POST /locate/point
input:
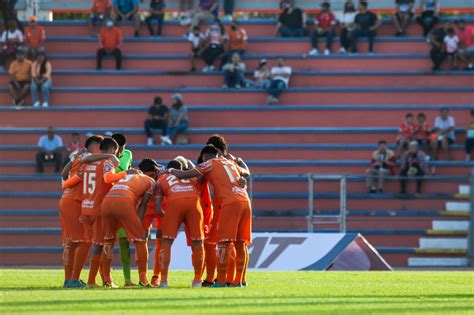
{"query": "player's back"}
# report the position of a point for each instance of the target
(133, 187)
(94, 187)
(173, 188)
(223, 174)
(74, 192)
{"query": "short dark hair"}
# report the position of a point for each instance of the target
(383, 142)
(199, 160)
(196, 28)
(421, 115)
(409, 115)
(148, 165)
(158, 100)
(175, 164)
(450, 30)
(209, 149)
(120, 138)
(326, 5)
(218, 141)
(472, 112)
(444, 109)
(93, 139)
(75, 133)
(108, 143)
(364, 4)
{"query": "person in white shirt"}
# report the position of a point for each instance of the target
(11, 40)
(451, 42)
(196, 38)
(280, 76)
(445, 130)
(347, 25)
(49, 149)
(262, 75)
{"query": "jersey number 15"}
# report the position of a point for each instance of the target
(89, 183)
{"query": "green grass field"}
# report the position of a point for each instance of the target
(38, 291)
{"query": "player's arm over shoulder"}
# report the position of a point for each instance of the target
(186, 174)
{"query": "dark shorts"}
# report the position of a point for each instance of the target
(195, 52)
(119, 18)
(452, 54)
(399, 15)
(98, 18)
(21, 83)
(450, 142)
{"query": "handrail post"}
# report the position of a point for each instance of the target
(470, 240)
(343, 205)
(310, 203)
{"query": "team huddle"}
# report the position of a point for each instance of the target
(100, 198)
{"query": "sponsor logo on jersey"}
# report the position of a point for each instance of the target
(180, 189)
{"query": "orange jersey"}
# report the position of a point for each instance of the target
(223, 174)
(74, 192)
(133, 187)
(407, 130)
(94, 187)
(35, 37)
(423, 131)
(172, 188)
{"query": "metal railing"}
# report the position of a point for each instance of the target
(311, 218)
(470, 240)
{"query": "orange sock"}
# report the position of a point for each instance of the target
(240, 249)
(80, 258)
(156, 265)
(231, 267)
(211, 261)
(142, 260)
(68, 259)
(198, 262)
(247, 258)
(223, 252)
(94, 264)
(165, 258)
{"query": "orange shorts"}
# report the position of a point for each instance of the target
(93, 229)
(148, 220)
(69, 213)
(121, 212)
(235, 222)
(187, 211)
(212, 236)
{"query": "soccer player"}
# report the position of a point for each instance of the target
(183, 206)
(97, 178)
(125, 157)
(119, 209)
(235, 218)
(70, 205)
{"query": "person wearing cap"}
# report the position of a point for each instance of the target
(262, 75)
(413, 164)
(35, 36)
(111, 40)
(324, 27)
(12, 39)
(466, 43)
(158, 119)
(179, 120)
(20, 78)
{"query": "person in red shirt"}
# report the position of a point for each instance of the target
(466, 43)
(324, 27)
(111, 39)
(422, 132)
(236, 38)
(100, 12)
(406, 133)
(35, 36)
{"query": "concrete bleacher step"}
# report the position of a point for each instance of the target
(175, 62)
(443, 243)
(214, 96)
(149, 79)
(256, 45)
(451, 225)
(437, 262)
(464, 189)
(452, 206)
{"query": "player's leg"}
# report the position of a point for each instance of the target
(74, 232)
(156, 261)
(244, 237)
(96, 254)
(124, 251)
(82, 251)
(210, 262)
(65, 240)
(193, 220)
(231, 266)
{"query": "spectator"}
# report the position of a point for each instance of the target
(451, 42)
(35, 36)
(466, 43)
(291, 22)
(237, 40)
(73, 148)
(445, 133)
(228, 10)
(12, 40)
(470, 137)
(280, 76)
(422, 132)
(429, 15)
(413, 164)
(49, 149)
(111, 44)
(158, 119)
(100, 12)
(382, 164)
(406, 133)
(196, 38)
(157, 13)
(365, 24)
(206, 10)
(324, 27)
(179, 121)
(403, 15)
(234, 72)
(128, 10)
(438, 53)
(20, 74)
(41, 79)
(347, 25)
(185, 6)
(7, 7)
(262, 75)
(213, 50)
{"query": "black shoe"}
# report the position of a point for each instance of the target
(207, 284)
(399, 33)
(372, 191)
(381, 190)
(136, 34)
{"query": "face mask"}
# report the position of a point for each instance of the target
(110, 24)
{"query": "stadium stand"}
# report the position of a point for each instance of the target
(330, 120)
